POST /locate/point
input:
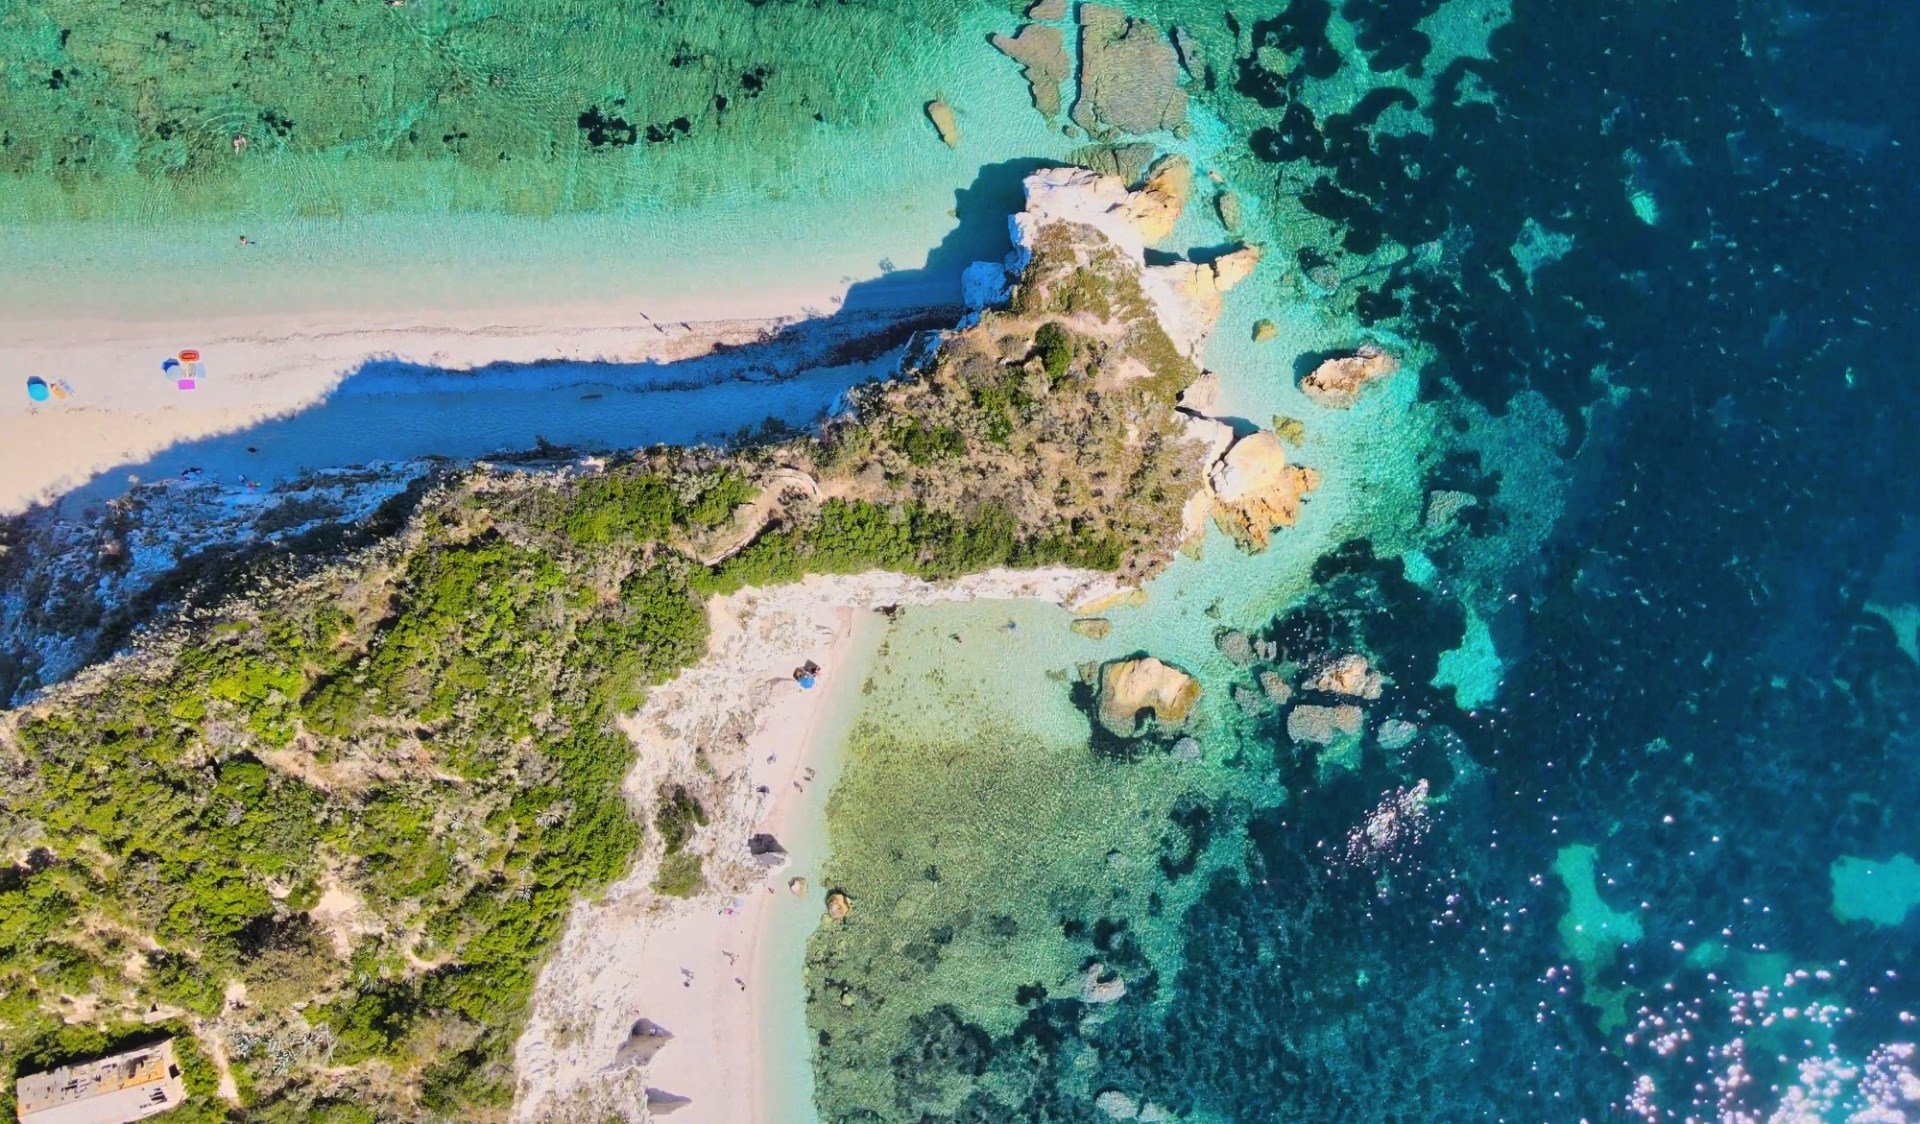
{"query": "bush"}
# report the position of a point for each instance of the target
(1055, 344)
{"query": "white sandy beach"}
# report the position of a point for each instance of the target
(626, 957)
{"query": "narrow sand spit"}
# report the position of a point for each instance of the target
(697, 967)
(124, 408)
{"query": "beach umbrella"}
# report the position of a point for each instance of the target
(37, 389)
(169, 365)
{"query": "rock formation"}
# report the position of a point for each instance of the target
(1278, 690)
(1337, 383)
(1397, 733)
(1255, 490)
(1042, 55)
(1264, 330)
(838, 905)
(1117, 1105)
(1323, 725)
(1128, 687)
(1156, 207)
(1048, 10)
(941, 114)
(1093, 628)
(1348, 675)
(1129, 76)
(1232, 214)
(1128, 161)
(1237, 646)
(1444, 506)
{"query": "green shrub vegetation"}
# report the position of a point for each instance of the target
(426, 726)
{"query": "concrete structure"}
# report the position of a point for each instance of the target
(112, 1090)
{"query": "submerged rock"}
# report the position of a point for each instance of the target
(1127, 161)
(1397, 733)
(1100, 985)
(1093, 628)
(1231, 213)
(1042, 55)
(1255, 490)
(1129, 75)
(1187, 749)
(1128, 687)
(1192, 58)
(1277, 689)
(1237, 646)
(1252, 703)
(1048, 10)
(1117, 1105)
(1264, 330)
(1348, 675)
(1444, 506)
(1337, 383)
(1323, 725)
(944, 122)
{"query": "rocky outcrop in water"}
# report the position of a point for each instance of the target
(944, 122)
(1129, 76)
(1042, 54)
(1130, 687)
(1323, 725)
(1156, 206)
(1255, 490)
(1337, 383)
(1348, 675)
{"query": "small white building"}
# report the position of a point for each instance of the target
(111, 1090)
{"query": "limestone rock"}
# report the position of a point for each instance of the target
(1323, 725)
(797, 887)
(767, 852)
(1129, 76)
(662, 1103)
(1397, 733)
(1337, 383)
(948, 126)
(1093, 628)
(1232, 214)
(646, 1039)
(1156, 207)
(1042, 55)
(1277, 689)
(1348, 675)
(1128, 687)
(1201, 395)
(1264, 330)
(1117, 1105)
(1098, 985)
(1255, 490)
(1048, 10)
(838, 905)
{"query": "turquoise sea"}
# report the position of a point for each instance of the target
(1630, 830)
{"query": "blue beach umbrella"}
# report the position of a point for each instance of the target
(169, 365)
(37, 389)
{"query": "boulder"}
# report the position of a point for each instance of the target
(1255, 490)
(944, 122)
(1042, 55)
(767, 852)
(1348, 675)
(1098, 985)
(1323, 725)
(1117, 1105)
(797, 887)
(1264, 330)
(1278, 690)
(1129, 76)
(1128, 687)
(1093, 628)
(662, 1103)
(839, 905)
(644, 1040)
(1156, 206)
(1337, 383)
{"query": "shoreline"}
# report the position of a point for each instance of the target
(624, 957)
